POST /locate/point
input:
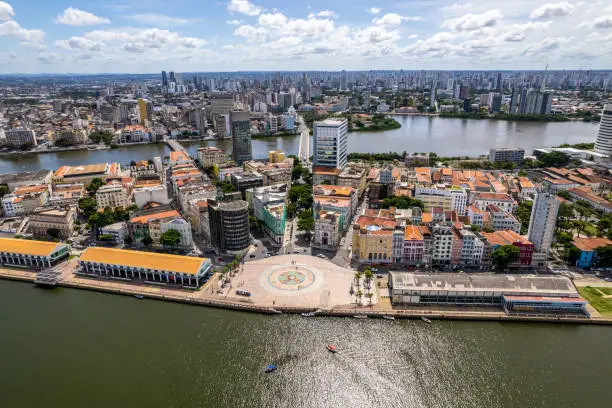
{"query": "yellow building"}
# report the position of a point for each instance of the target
(276, 156)
(373, 240)
(143, 109)
(34, 254)
(147, 266)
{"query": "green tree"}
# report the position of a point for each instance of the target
(564, 194)
(306, 222)
(523, 213)
(554, 159)
(3, 190)
(252, 222)
(88, 206)
(94, 186)
(604, 256)
(170, 238)
(401, 202)
(128, 240)
(147, 240)
(505, 255)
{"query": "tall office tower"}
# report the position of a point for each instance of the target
(543, 221)
(603, 144)
(330, 143)
(499, 84)
(343, 81)
(172, 77)
(241, 136)
(531, 105)
(514, 101)
(523, 102)
(496, 103)
(432, 95)
(143, 111)
(464, 92)
(164, 79)
(229, 225)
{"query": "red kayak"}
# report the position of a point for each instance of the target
(331, 348)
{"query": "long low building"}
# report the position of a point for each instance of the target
(31, 254)
(146, 266)
(516, 294)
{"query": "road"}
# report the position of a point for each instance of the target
(304, 152)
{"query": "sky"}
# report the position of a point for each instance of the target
(144, 36)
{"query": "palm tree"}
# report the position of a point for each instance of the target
(359, 295)
(368, 276)
(357, 277)
(369, 295)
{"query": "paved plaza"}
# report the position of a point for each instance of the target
(295, 281)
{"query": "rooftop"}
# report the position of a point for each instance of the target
(506, 284)
(28, 247)
(143, 219)
(412, 233)
(590, 244)
(145, 260)
(507, 237)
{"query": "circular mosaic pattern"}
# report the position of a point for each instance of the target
(290, 277)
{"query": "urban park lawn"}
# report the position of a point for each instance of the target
(597, 297)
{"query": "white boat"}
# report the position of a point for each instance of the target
(360, 317)
(426, 320)
(309, 314)
(388, 317)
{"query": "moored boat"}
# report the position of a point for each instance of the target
(388, 317)
(139, 296)
(270, 368)
(309, 314)
(360, 317)
(426, 320)
(331, 348)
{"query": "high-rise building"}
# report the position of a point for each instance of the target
(464, 92)
(496, 103)
(172, 77)
(514, 101)
(144, 110)
(241, 136)
(330, 143)
(603, 144)
(164, 79)
(543, 221)
(229, 225)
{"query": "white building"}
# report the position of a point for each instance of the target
(330, 143)
(327, 229)
(19, 137)
(117, 231)
(151, 194)
(472, 248)
(603, 144)
(503, 201)
(211, 156)
(113, 196)
(382, 107)
(183, 227)
(542, 222)
(442, 244)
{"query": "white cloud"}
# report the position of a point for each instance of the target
(517, 32)
(392, 19)
(243, 7)
(233, 22)
(327, 13)
(49, 58)
(13, 29)
(546, 46)
(6, 11)
(471, 22)
(549, 10)
(76, 17)
(375, 10)
(159, 20)
(79, 44)
(603, 22)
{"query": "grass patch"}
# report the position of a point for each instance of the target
(594, 297)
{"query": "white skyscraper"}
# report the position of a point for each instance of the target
(603, 144)
(330, 143)
(542, 222)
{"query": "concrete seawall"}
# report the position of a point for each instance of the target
(341, 311)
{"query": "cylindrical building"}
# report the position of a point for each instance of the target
(603, 144)
(229, 225)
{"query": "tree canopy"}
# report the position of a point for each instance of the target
(95, 184)
(505, 255)
(170, 238)
(401, 202)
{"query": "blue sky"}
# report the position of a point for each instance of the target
(42, 36)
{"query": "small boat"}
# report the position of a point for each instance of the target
(360, 317)
(388, 317)
(270, 368)
(331, 348)
(426, 320)
(309, 314)
(139, 296)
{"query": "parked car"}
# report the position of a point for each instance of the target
(241, 292)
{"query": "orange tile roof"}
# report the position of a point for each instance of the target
(365, 221)
(28, 247)
(40, 188)
(331, 171)
(412, 233)
(426, 218)
(590, 244)
(145, 260)
(178, 155)
(335, 201)
(493, 196)
(507, 237)
(143, 219)
(336, 190)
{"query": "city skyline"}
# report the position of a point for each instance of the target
(242, 35)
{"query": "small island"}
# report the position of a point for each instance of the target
(377, 122)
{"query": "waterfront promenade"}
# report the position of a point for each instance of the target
(279, 286)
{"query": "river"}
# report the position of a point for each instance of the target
(445, 136)
(71, 348)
